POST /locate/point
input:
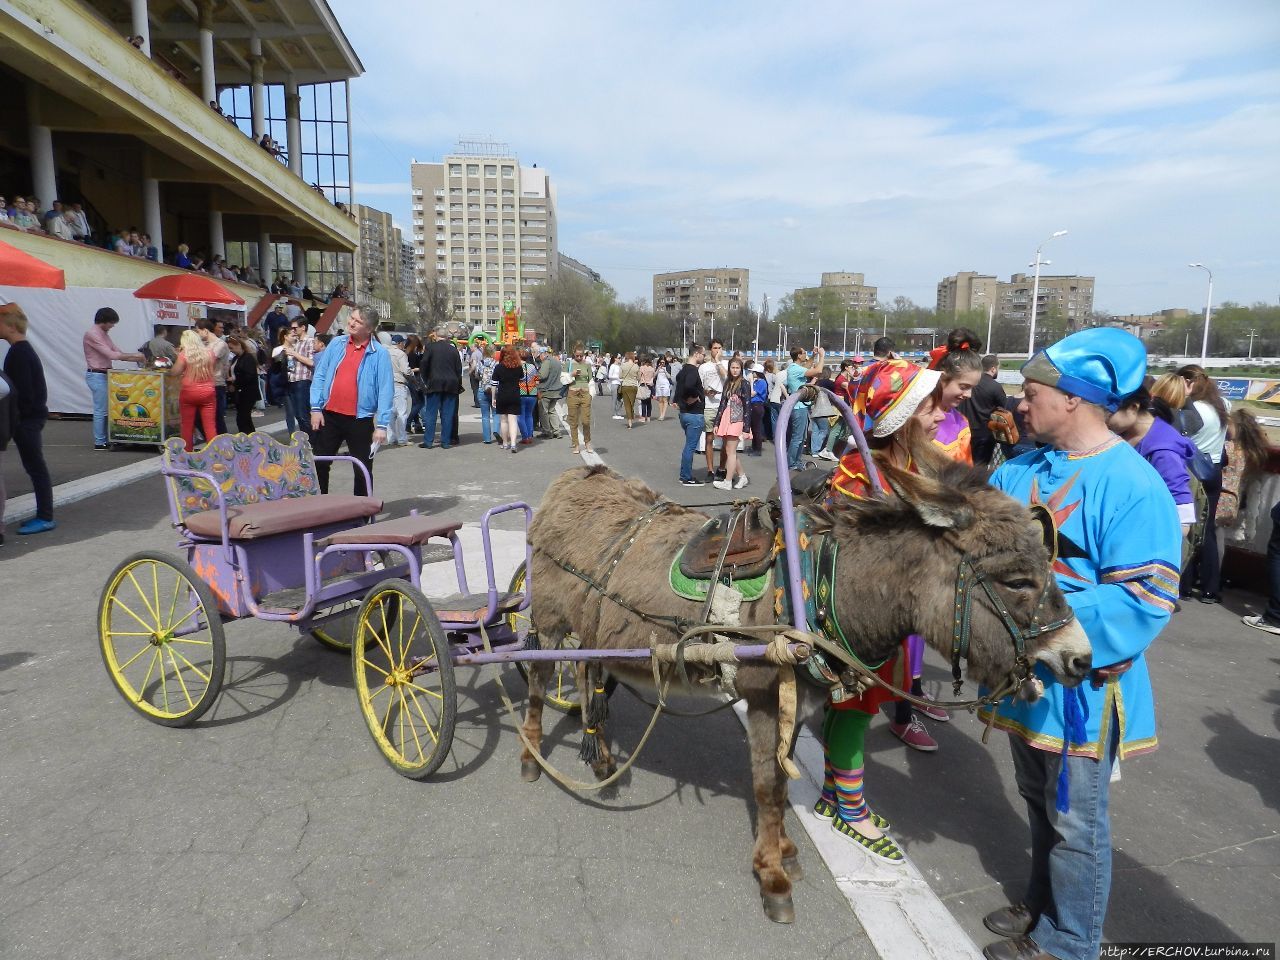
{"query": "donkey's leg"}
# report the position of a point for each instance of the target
(770, 787)
(538, 673)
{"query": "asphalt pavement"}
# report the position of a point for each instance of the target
(272, 828)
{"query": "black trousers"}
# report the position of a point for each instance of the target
(757, 426)
(357, 433)
(220, 410)
(28, 438)
(244, 411)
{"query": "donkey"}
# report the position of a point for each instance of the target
(897, 568)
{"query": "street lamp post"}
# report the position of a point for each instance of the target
(844, 347)
(1035, 293)
(1208, 307)
(1252, 333)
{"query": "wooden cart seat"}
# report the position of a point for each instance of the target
(251, 521)
(402, 531)
(471, 607)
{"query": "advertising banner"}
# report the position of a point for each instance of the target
(1264, 391)
(139, 408)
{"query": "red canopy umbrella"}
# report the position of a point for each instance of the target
(188, 288)
(20, 269)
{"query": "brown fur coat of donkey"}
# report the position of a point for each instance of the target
(896, 575)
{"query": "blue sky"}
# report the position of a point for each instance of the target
(904, 140)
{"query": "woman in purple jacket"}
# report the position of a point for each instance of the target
(1161, 445)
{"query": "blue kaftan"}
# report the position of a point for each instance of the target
(1118, 555)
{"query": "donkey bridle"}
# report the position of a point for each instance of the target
(967, 574)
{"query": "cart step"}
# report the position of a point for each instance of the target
(295, 598)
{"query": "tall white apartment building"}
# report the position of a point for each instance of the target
(485, 226)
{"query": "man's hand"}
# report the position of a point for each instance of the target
(317, 419)
(380, 435)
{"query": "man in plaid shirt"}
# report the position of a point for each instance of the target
(300, 348)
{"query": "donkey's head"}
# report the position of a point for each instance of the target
(905, 555)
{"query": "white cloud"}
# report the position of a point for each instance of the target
(905, 140)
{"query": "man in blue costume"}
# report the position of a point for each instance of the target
(1117, 552)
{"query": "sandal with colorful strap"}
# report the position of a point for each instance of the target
(825, 809)
(884, 848)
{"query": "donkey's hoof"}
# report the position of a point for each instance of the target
(778, 907)
(605, 771)
(794, 871)
(529, 770)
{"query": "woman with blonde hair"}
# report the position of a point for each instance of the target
(1170, 391)
(197, 396)
(629, 385)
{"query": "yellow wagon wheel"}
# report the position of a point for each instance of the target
(161, 638)
(336, 631)
(404, 678)
(562, 688)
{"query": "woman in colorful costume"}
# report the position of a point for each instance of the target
(895, 404)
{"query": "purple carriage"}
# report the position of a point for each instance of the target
(261, 541)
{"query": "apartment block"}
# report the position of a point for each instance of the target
(967, 291)
(1146, 325)
(851, 288)
(703, 294)
(1071, 296)
(580, 269)
(377, 262)
(484, 225)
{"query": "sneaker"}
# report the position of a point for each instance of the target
(914, 735)
(826, 455)
(102, 446)
(1263, 624)
(741, 482)
(36, 525)
(722, 484)
(721, 475)
(936, 714)
(692, 483)
(618, 416)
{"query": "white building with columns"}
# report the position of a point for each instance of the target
(119, 105)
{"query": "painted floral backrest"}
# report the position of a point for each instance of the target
(249, 468)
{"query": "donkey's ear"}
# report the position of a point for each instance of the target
(936, 505)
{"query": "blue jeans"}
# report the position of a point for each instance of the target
(298, 401)
(796, 431)
(98, 388)
(526, 416)
(444, 405)
(487, 416)
(820, 428)
(415, 410)
(1070, 877)
(693, 426)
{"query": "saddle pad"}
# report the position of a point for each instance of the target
(690, 589)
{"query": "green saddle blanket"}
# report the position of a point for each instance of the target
(690, 589)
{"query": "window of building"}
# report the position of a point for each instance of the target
(473, 169)
(455, 169)
(490, 170)
(508, 172)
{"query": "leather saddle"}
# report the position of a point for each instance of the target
(749, 553)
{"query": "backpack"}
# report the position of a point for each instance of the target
(8, 412)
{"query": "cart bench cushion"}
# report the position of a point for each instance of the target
(251, 521)
(471, 607)
(401, 531)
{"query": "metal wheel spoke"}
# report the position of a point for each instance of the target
(427, 723)
(430, 693)
(143, 597)
(182, 683)
(190, 613)
(198, 643)
(151, 666)
(125, 606)
(190, 666)
(124, 666)
(173, 602)
(404, 707)
(383, 688)
(385, 673)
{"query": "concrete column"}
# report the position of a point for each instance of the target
(300, 263)
(257, 106)
(44, 172)
(266, 264)
(208, 79)
(217, 243)
(141, 26)
(151, 212)
(293, 124)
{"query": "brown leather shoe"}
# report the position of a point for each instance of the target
(1024, 948)
(1012, 922)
